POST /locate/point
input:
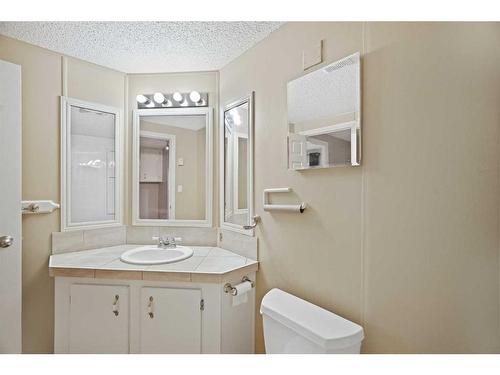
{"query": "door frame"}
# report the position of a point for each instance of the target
(171, 166)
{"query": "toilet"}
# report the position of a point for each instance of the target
(295, 326)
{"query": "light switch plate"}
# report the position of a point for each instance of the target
(312, 55)
(180, 162)
(179, 188)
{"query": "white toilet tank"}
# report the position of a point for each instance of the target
(292, 325)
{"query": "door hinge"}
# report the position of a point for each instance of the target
(202, 304)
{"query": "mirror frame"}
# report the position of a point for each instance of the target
(66, 104)
(137, 114)
(250, 155)
(353, 125)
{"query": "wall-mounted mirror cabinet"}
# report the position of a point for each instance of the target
(91, 165)
(172, 167)
(236, 164)
(324, 116)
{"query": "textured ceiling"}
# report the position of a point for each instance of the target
(145, 47)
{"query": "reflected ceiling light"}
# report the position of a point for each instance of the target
(184, 103)
(159, 98)
(150, 104)
(167, 103)
(142, 99)
(177, 97)
(237, 120)
(195, 96)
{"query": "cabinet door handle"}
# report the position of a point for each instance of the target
(115, 305)
(150, 308)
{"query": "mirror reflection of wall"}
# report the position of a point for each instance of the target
(92, 165)
(172, 167)
(236, 130)
(324, 116)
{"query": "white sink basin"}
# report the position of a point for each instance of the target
(149, 255)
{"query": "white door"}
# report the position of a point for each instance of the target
(170, 321)
(297, 151)
(99, 319)
(10, 208)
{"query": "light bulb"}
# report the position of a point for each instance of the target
(150, 104)
(158, 97)
(195, 96)
(167, 103)
(184, 103)
(141, 99)
(177, 96)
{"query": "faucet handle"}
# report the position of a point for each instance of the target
(167, 240)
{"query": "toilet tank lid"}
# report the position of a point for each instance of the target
(317, 324)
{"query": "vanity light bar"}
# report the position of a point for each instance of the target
(173, 100)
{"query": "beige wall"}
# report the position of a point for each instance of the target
(42, 80)
(170, 82)
(406, 244)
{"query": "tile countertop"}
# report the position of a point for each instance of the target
(208, 264)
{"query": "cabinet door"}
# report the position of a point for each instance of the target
(170, 321)
(151, 165)
(99, 319)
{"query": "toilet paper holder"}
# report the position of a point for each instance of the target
(228, 288)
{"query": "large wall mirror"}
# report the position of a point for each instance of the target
(172, 167)
(91, 165)
(324, 116)
(236, 165)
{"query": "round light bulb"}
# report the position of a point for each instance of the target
(195, 96)
(158, 97)
(141, 99)
(177, 97)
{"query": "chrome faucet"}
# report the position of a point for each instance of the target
(167, 242)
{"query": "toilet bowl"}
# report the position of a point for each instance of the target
(292, 325)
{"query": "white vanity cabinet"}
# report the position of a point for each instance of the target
(98, 318)
(95, 315)
(170, 320)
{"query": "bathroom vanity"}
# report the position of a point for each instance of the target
(199, 300)
(103, 305)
